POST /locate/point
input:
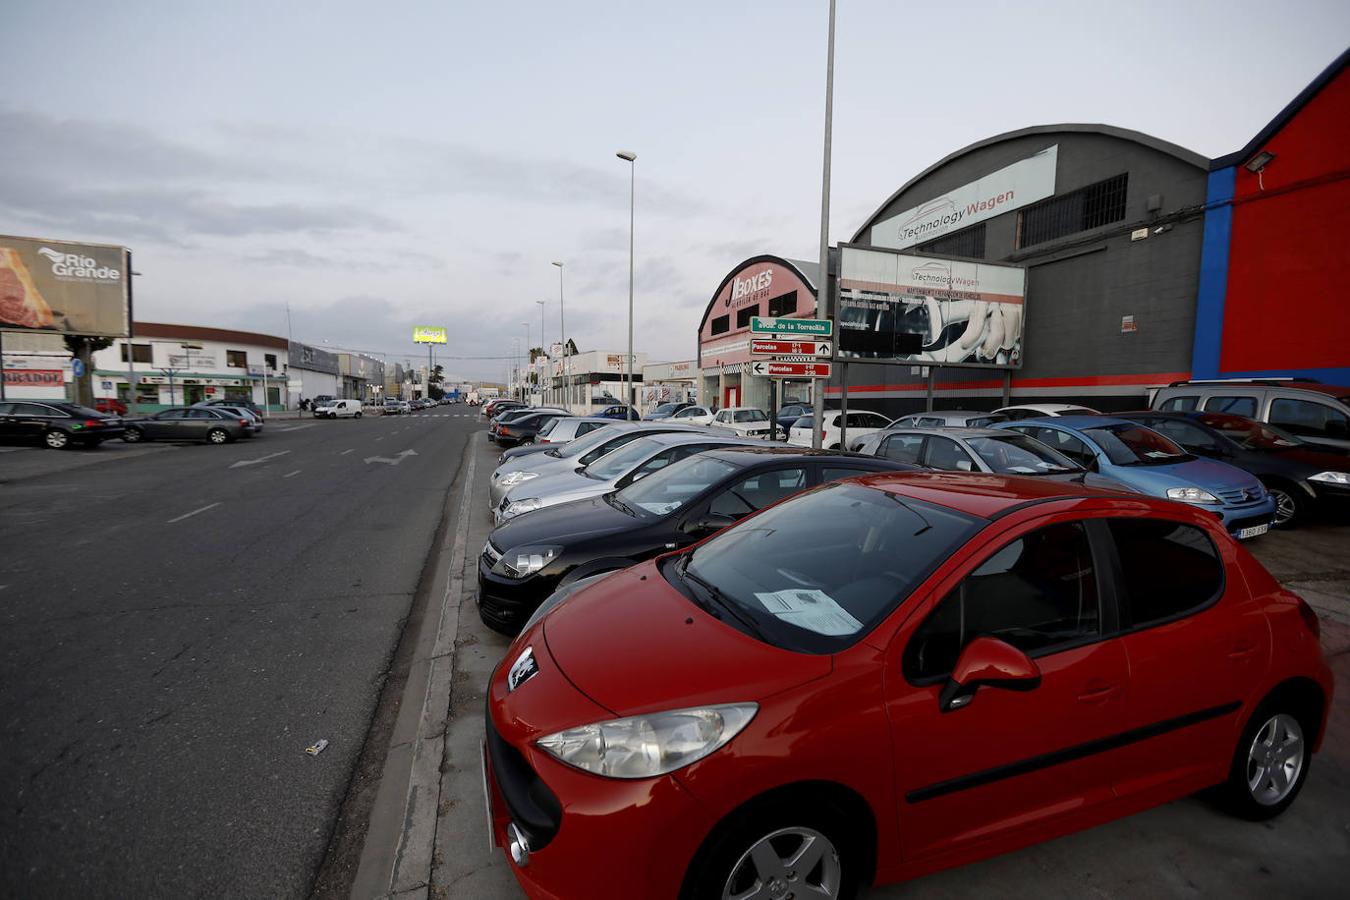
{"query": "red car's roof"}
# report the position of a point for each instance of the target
(981, 495)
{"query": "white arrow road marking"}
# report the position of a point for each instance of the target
(194, 512)
(345, 452)
(391, 462)
(261, 459)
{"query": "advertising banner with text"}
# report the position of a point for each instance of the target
(64, 287)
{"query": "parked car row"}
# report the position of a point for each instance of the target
(725, 660)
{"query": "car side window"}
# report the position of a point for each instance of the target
(757, 492)
(947, 454)
(902, 448)
(1305, 418)
(1180, 404)
(200, 414)
(1167, 570)
(33, 409)
(172, 414)
(1184, 433)
(834, 473)
(1065, 443)
(1235, 406)
(1038, 593)
(931, 422)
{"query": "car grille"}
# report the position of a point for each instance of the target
(534, 808)
(491, 554)
(1241, 496)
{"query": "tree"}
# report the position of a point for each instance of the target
(437, 375)
(83, 347)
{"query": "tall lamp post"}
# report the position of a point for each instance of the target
(562, 323)
(632, 195)
(529, 363)
(822, 295)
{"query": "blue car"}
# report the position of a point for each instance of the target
(1155, 465)
(616, 412)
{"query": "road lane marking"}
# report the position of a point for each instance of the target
(294, 428)
(194, 512)
(261, 459)
(391, 462)
(345, 452)
(379, 438)
(289, 474)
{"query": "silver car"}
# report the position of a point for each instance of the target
(244, 412)
(988, 450)
(616, 469)
(568, 428)
(518, 468)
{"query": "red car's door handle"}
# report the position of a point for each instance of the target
(1097, 692)
(1241, 649)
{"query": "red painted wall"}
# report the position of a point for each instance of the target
(1288, 299)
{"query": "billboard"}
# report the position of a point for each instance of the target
(924, 310)
(1023, 182)
(428, 334)
(64, 287)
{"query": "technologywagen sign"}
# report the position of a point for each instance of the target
(64, 287)
(920, 310)
(1023, 182)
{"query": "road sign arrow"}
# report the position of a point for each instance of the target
(391, 462)
(261, 459)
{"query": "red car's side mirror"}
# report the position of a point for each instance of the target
(988, 662)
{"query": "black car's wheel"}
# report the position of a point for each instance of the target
(1289, 506)
(778, 850)
(217, 435)
(133, 435)
(56, 439)
(1270, 763)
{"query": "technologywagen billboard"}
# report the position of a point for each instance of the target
(924, 310)
(64, 287)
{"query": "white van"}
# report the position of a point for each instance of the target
(338, 409)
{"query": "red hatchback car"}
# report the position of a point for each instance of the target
(892, 675)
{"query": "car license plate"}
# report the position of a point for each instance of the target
(1252, 531)
(487, 795)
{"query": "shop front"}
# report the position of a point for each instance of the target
(760, 286)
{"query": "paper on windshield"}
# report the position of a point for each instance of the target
(810, 609)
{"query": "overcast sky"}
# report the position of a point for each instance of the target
(380, 165)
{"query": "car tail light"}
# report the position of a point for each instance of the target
(506, 431)
(244, 422)
(92, 423)
(1310, 618)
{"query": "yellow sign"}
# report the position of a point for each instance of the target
(428, 334)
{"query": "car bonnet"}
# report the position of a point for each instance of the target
(633, 644)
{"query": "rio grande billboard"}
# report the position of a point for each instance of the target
(428, 334)
(63, 287)
(922, 310)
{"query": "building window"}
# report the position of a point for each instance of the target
(721, 324)
(743, 316)
(785, 305)
(1086, 208)
(236, 359)
(139, 353)
(966, 242)
(271, 360)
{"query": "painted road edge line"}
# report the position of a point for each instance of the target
(289, 474)
(195, 512)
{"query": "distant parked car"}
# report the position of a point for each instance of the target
(562, 429)
(746, 421)
(194, 423)
(504, 419)
(255, 421)
(789, 413)
(522, 429)
(1305, 408)
(392, 407)
(1154, 464)
(694, 415)
(619, 411)
(247, 404)
(949, 418)
(500, 405)
(1299, 475)
(110, 405)
(860, 424)
(665, 411)
(1037, 410)
(55, 424)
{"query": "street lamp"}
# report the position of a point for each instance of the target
(543, 347)
(562, 323)
(529, 363)
(631, 158)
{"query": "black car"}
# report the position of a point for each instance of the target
(1299, 475)
(55, 424)
(528, 557)
(789, 413)
(516, 414)
(187, 423)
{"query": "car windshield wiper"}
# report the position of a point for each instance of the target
(553, 453)
(613, 500)
(715, 593)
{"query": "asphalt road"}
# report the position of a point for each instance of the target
(177, 625)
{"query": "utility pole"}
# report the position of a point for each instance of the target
(543, 348)
(562, 323)
(823, 288)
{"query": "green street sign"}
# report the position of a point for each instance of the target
(812, 327)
